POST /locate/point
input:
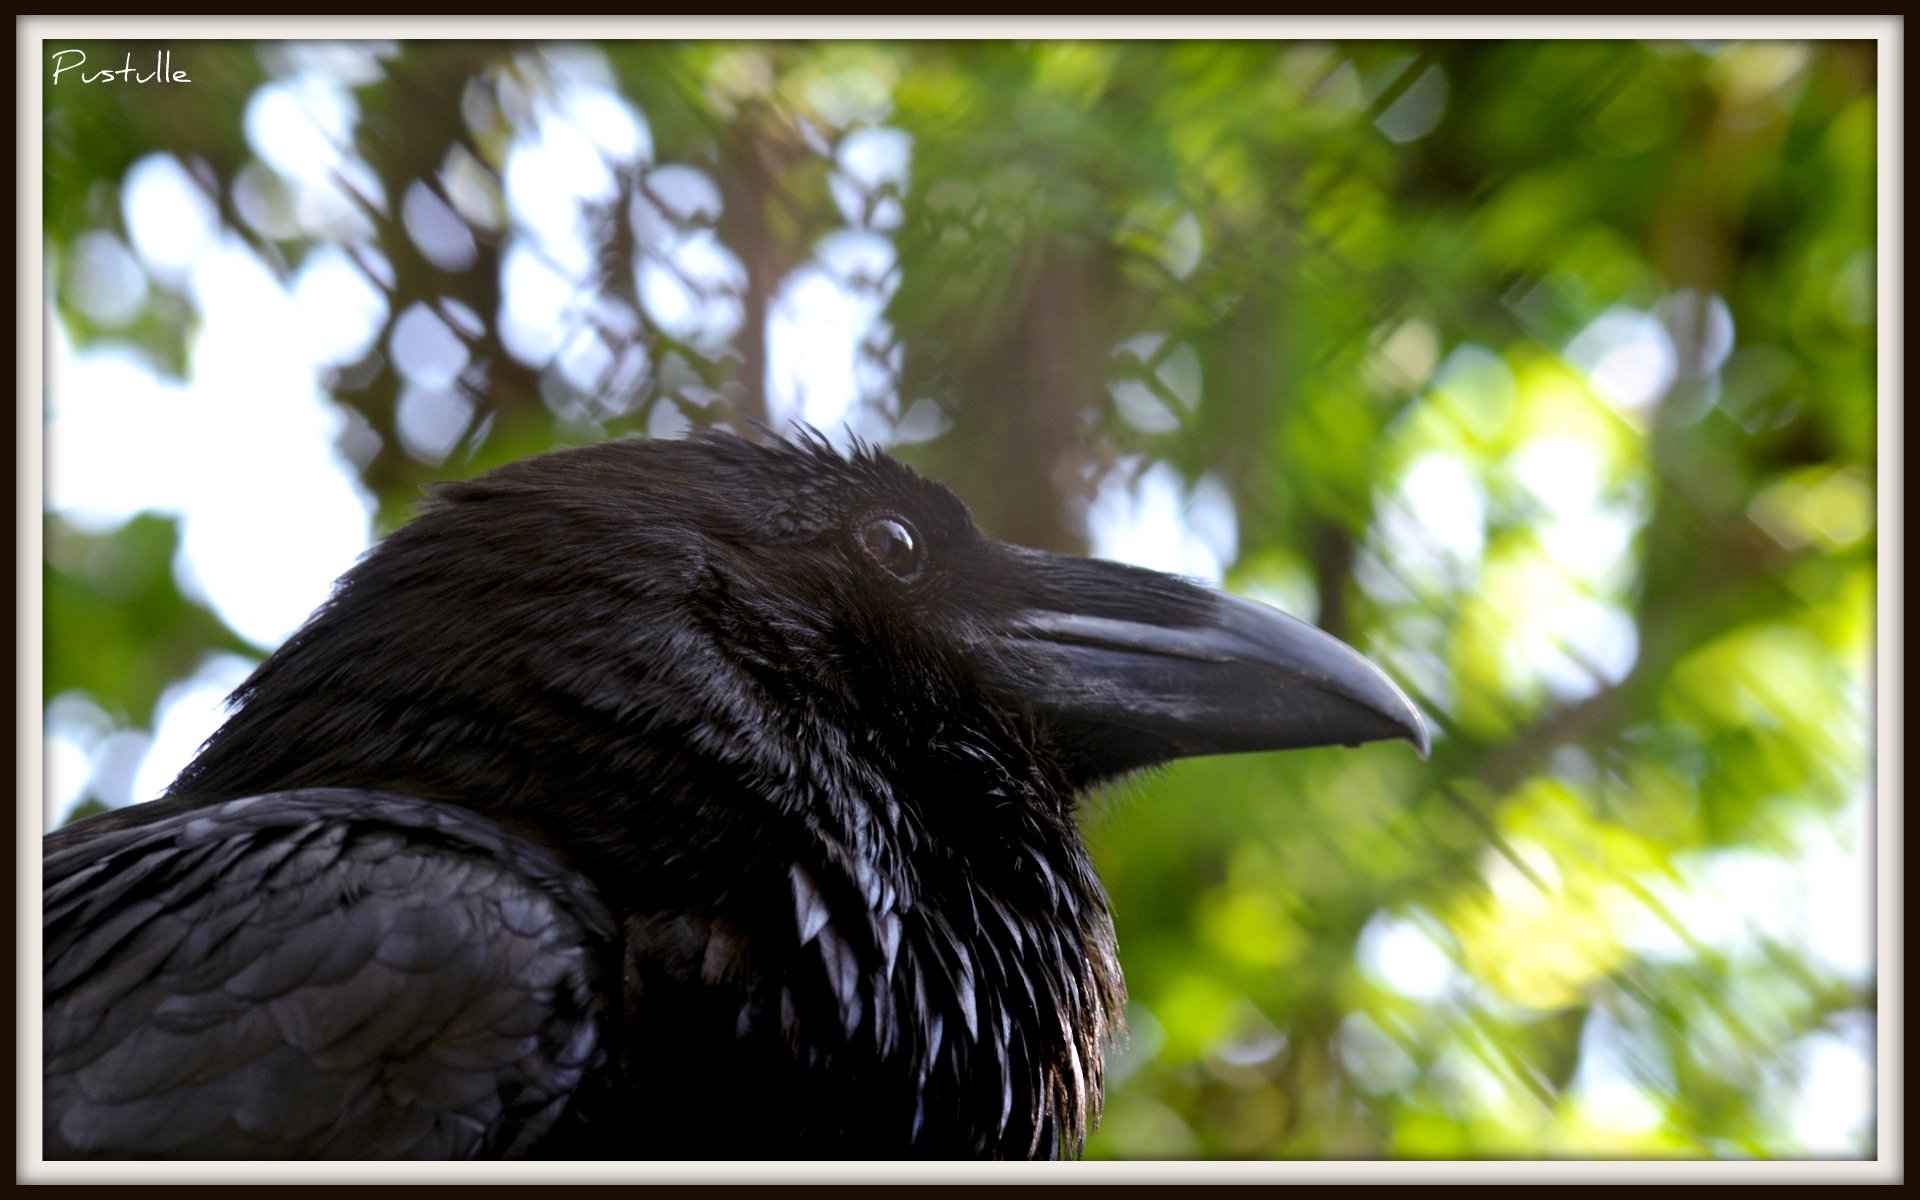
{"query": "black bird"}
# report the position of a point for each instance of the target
(658, 799)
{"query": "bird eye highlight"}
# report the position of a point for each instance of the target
(892, 544)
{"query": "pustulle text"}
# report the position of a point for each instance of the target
(76, 60)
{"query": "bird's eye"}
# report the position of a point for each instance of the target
(892, 545)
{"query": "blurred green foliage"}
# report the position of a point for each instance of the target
(1394, 299)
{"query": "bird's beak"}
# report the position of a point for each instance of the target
(1145, 674)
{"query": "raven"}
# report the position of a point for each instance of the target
(695, 798)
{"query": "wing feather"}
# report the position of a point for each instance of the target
(317, 973)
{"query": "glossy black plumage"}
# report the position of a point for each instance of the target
(316, 973)
(657, 799)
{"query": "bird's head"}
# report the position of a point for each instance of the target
(578, 610)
